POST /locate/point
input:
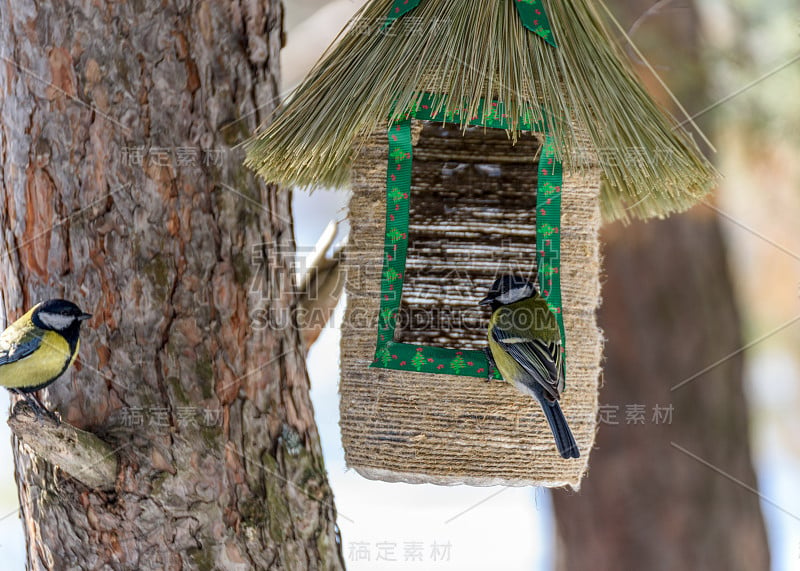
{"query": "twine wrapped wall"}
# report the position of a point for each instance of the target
(443, 429)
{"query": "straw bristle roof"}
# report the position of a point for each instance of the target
(476, 49)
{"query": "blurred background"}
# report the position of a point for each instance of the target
(740, 74)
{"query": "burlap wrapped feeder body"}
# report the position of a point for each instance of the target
(511, 105)
(446, 429)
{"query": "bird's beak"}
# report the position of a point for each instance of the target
(485, 301)
(84, 316)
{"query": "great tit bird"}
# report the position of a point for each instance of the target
(525, 346)
(39, 346)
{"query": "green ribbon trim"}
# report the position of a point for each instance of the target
(531, 12)
(399, 9)
(426, 359)
(534, 17)
(548, 230)
(430, 107)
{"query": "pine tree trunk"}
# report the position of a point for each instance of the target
(661, 493)
(122, 190)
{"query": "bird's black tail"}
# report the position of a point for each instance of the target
(565, 442)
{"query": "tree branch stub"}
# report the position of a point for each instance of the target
(80, 454)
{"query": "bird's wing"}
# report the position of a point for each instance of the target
(541, 359)
(17, 342)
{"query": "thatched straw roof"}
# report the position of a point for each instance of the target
(476, 49)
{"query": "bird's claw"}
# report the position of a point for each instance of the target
(39, 409)
(491, 366)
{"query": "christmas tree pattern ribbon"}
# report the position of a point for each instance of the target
(399, 9)
(531, 12)
(533, 17)
(390, 354)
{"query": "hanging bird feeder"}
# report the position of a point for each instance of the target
(478, 138)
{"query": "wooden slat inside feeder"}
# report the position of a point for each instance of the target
(472, 216)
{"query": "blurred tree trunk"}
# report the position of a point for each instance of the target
(122, 191)
(668, 313)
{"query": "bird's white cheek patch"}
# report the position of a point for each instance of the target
(515, 295)
(55, 320)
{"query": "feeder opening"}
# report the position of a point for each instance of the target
(472, 216)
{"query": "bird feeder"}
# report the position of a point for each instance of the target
(478, 138)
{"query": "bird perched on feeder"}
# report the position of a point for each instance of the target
(525, 346)
(39, 346)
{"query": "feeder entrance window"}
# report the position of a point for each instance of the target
(461, 208)
(472, 216)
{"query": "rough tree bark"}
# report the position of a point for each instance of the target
(122, 191)
(654, 497)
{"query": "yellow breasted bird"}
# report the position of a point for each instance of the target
(525, 346)
(39, 346)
